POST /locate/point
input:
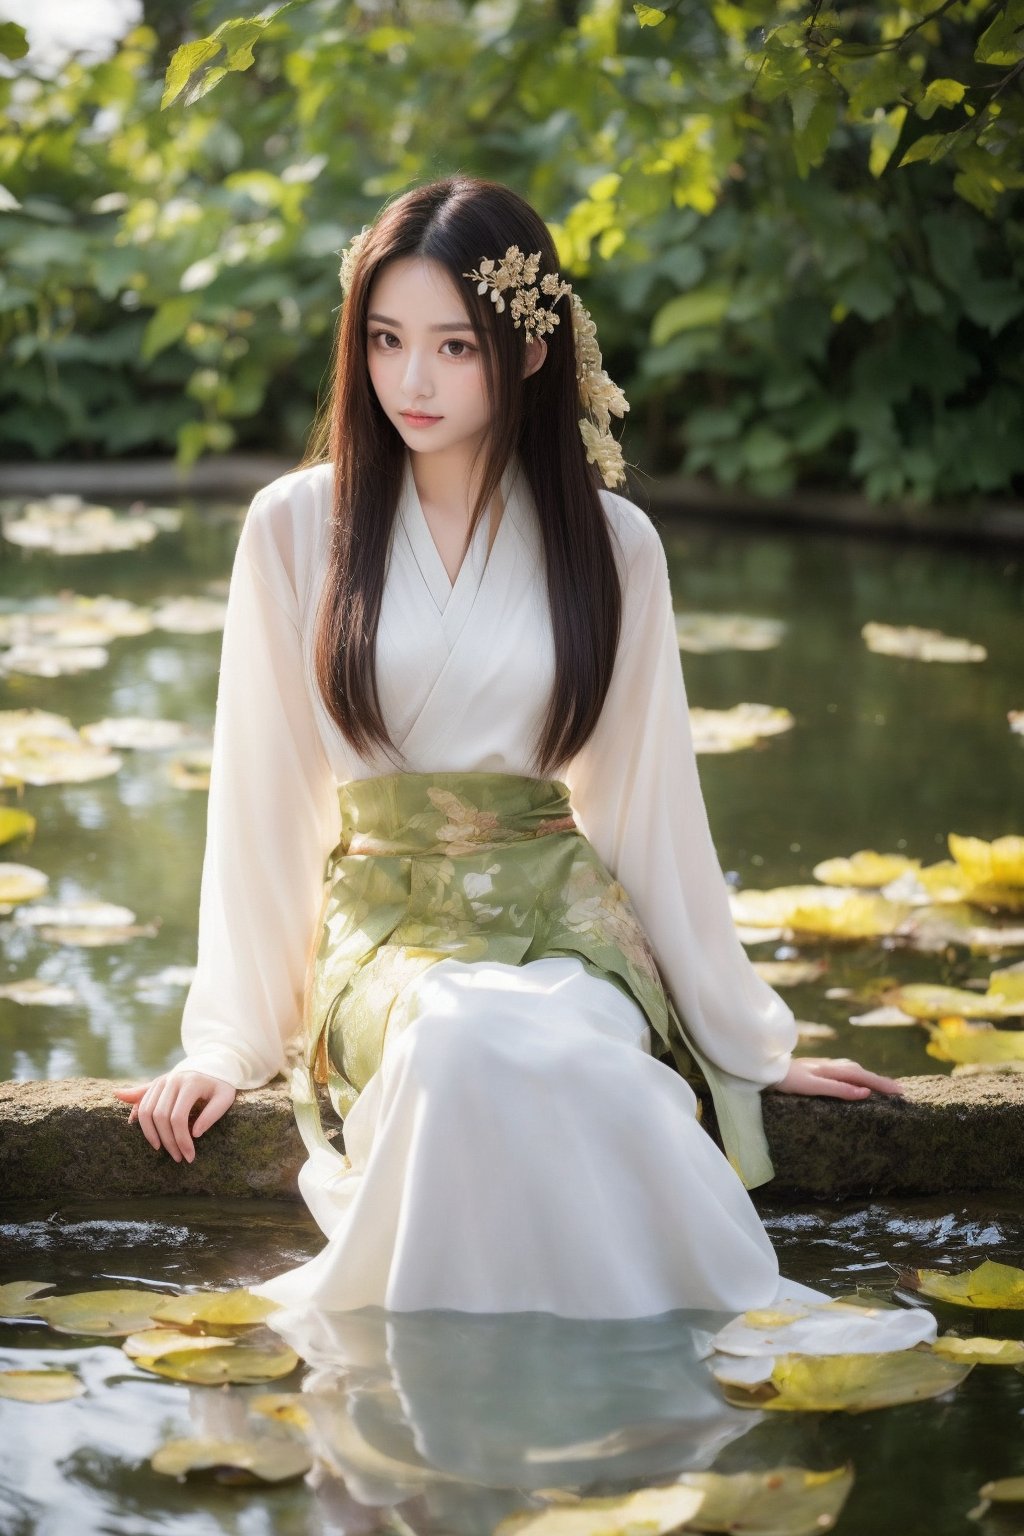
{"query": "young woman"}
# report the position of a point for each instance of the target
(458, 863)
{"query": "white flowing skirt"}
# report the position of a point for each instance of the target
(519, 1149)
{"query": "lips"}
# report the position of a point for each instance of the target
(418, 416)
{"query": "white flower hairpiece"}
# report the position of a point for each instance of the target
(600, 397)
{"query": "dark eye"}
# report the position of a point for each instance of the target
(455, 342)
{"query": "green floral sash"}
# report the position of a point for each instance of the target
(476, 866)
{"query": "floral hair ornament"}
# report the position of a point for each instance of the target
(350, 258)
(599, 395)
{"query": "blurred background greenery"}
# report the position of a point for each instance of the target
(799, 230)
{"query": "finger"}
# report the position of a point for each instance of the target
(218, 1104)
(184, 1101)
(145, 1109)
(134, 1114)
(836, 1088)
(130, 1095)
(162, 1118)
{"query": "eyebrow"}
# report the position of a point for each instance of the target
(449, 325)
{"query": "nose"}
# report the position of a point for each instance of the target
(416, 377)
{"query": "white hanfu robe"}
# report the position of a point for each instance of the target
(519, 1148)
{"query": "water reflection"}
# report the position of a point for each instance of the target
(457, 1418)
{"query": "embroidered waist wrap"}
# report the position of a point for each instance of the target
(476, 866)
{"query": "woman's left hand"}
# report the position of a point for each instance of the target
(835, 1076)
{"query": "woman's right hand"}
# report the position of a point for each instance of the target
(164, 1106)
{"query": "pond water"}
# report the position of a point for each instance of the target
(442, 1424)
(886, 753)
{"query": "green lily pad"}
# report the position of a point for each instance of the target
(40, 1386)
(254, 1459)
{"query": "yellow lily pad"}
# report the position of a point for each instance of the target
(859, 917)
(956, 1040)
(783, 1501)
(105, 1314)
(237, 1308)
(16, 1295)
(731, 730)
(790, 973)
(980, 1350)
(924, 1001)
(255, 1458)
(772, 908)
(15, 823)
(644, 1512)
(229, 1362)
(20, 882)
(909, 640)
(191, 771)
(151, 1343)
(41, 762)
(1004, 1490)
(1000, 862)
(190, 615)
(849, 1383)
(701, 633)
(40, 1386)
(137, 733)
(34, 991)
(990, 1284)
(865, 868)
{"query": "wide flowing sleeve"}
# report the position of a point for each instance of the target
(272, 819)
(636, 794)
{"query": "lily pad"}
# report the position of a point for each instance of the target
(79, 914)
(41, 761)
(865, 868)
(732, 730)
(1000, 862)
(771, 908)
(650, 1511)
(790, 973)
(191, 771)
(190, 615)
(849, 1383)
(237, 1308)
(284, 1408)
(783, 1501)
(20, 882)
(137, 733)
(16, 1295)
(702, 633)
(103, 1314)
(65, 525)
(229, 1362)
(980, 1350)
(858, 917)
(954, 1039)
(256, 1458)
(33, 991)
(36, 660)
(151, 1343)
(934, 1002)
(15, 823)
(40, 1386)
(909, 640)
(990, 1284)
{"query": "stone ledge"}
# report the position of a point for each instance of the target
(70, 1139)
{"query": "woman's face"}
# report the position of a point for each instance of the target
(423, 356)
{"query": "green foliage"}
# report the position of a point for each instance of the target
(798, 229)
